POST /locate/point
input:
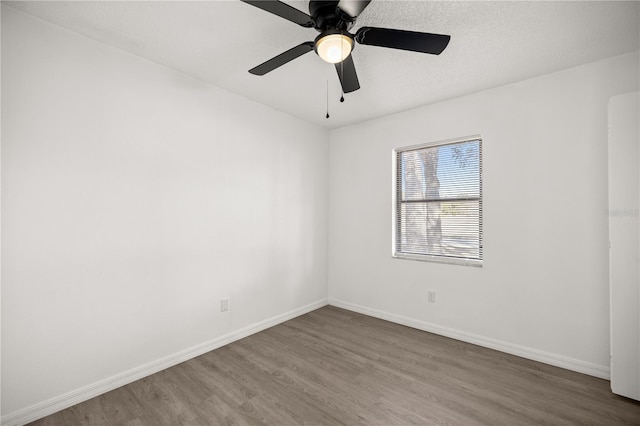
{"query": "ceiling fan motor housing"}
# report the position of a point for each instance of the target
(327, 16)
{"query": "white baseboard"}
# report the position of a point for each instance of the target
(573, 364)
(66, 400)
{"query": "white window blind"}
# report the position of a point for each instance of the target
(438, 201)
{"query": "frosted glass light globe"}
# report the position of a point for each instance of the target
(334, 48)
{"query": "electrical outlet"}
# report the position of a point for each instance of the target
(224, 305)
(431, 296)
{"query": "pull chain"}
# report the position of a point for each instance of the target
(341, 72)
(341, 80)
(327, 98)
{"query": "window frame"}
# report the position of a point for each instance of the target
(395, 214)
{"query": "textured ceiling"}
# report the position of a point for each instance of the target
(492, 44)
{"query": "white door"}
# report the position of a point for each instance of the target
(624, 235)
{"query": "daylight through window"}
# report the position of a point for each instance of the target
(438, 202)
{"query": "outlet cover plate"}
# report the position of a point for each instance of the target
(224, 305)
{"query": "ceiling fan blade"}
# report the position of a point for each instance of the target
(282, 58)
(353, 8)
(283, 10)
(347, 75)
(404, 40)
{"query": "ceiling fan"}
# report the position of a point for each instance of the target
(334, 19)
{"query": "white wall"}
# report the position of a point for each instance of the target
(543, 289)
(134, 198)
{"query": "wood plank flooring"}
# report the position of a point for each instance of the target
(335, 367)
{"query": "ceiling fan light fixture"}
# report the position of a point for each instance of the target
(333, 47)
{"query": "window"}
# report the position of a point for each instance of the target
(438, 202)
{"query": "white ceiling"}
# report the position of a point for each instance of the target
(492, 44)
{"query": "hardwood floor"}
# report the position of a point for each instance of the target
(332, 367)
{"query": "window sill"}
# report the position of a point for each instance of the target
(439, 259)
